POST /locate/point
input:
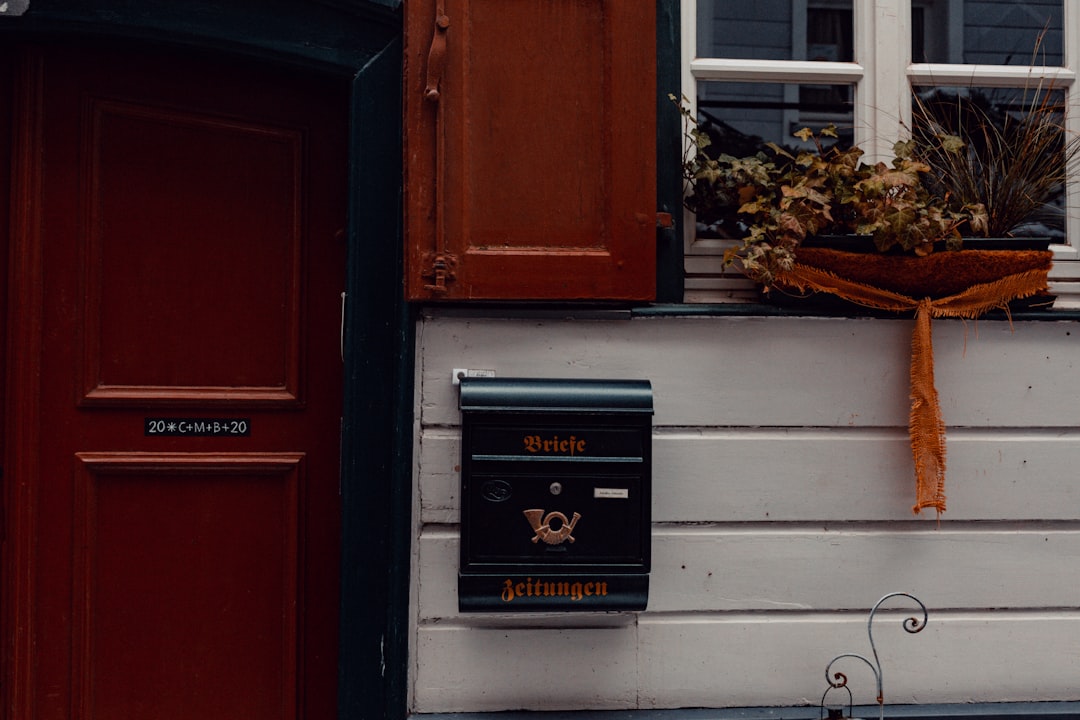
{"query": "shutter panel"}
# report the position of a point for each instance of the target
(531, 149)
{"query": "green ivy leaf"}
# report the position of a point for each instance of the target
(779, 150)
(805, 192)
(905, 148)
(951, 143)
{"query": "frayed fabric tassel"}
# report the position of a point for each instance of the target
(925, 425)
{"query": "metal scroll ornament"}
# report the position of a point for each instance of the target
(838, 680)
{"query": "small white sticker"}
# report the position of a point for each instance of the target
(459, 374)
(611, 493)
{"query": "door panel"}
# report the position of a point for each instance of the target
(137, 341)
(186, 579)
(189, 229)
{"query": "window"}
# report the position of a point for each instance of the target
(759, 71)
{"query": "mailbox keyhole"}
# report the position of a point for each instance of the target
(556, 488)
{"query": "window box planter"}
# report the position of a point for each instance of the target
(1015, 268)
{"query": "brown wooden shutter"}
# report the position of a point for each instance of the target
(530, 149)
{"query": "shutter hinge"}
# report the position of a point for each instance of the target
(664, 220)
(437, 57)
(442, 271)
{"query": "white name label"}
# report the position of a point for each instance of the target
(611, 493)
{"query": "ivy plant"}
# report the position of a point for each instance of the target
(781, 196)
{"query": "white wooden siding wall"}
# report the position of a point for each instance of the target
(782, 488)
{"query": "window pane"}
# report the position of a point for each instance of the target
(989, 32)
(775, 30)
(754, 113)
(741, 118)
(1014, 157)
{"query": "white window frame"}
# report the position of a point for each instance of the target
(882, 74)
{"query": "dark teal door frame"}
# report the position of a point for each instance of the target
(376, 460)
(359, 40)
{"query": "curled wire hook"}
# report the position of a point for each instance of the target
(911, 625)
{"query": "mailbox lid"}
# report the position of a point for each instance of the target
(553, 395)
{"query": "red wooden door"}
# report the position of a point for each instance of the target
(176, 378)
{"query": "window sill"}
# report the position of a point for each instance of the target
(765, 310)
(622, 311)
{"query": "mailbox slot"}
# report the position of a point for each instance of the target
(555, 494)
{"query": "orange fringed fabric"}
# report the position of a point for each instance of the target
(925, 425)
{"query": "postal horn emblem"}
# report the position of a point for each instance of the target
(541, 524)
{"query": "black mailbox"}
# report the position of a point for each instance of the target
(555, 494)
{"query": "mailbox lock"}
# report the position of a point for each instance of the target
(556, 488)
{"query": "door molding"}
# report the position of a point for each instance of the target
(22, 422)
(360, 39)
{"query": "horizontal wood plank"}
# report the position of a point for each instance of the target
(706, 569)
(773, 371)
(748, 475)
(746, 660)
(513, 668)
(759, 661)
